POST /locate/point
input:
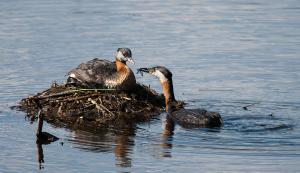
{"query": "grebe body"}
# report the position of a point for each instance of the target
(196, 118)
(98, 73)
(182, 116)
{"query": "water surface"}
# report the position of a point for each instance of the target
(224, 55)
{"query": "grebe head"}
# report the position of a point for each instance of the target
(165, 77)
(124, 55)
(162, 73)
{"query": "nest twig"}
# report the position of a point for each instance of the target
(94, 107)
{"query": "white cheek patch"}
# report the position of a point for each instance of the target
(160, 76)
(120, 56)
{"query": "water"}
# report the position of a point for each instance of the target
(224, 55)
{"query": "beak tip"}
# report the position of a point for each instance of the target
(144, 70)
(130, 60)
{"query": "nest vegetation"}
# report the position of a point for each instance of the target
(80, 107)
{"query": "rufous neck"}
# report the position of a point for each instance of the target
(168, 92)
(120, 65)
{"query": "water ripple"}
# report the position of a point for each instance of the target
(239, 58)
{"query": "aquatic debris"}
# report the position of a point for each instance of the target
(80, 107)
(43, 137)
(247, 106)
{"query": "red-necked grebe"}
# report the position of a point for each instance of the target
(185, 117)
(98, 73)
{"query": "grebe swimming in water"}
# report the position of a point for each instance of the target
(184, 117)
(98, 73)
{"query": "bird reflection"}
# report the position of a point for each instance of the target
(118, 139)
(102, 140)
(124, 143)
(167, 137)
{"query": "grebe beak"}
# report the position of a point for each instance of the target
(146, 70)
(129, 59)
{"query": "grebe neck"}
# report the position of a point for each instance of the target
(168, 92)
(121, 65)
(123, 78)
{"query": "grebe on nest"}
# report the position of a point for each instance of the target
(184, 117)
(98, 73)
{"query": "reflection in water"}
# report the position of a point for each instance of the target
(124, 144)
(40, 155)
(103, 140)
(119, 140)
(167, 136)
(40, 151)
(42, 138)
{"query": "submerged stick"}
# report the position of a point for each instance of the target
(43, 137)
(40, 123)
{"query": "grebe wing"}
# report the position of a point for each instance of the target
(197, 118)
(99, 66)
(94, 72)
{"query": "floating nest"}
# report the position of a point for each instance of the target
(79, 107)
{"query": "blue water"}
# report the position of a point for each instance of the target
(224, 55)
